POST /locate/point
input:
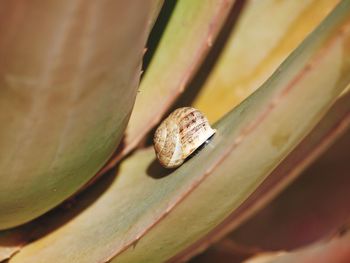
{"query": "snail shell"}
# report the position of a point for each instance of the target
(179, 135)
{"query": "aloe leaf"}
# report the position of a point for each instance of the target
(321, 190)
(144, 216)
(188, 37)
(69, 74)
(256, 47)
(333, 125)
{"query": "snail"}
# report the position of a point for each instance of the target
(179, 135)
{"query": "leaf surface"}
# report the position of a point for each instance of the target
(68, 75)
(255, 232)
(311, 208)
(146, 214)
(255, 48)
(187, 38)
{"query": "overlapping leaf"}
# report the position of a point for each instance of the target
(312, 208)
(332, 125)
(144, 216)
(188, 37)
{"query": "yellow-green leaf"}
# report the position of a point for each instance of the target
(332, 125)
(266, 33)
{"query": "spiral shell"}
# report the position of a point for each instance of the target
(179, 135)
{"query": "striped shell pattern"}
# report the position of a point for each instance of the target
(179, 135)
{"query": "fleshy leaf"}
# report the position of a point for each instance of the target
(188, 37)
(327, 131)
(310, 209)
(256, 47)
(147, 215)
(69, 72)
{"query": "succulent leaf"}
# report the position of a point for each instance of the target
(333, 125)
(146, 215)
(69, 72)
(256, 47)
(189, 34)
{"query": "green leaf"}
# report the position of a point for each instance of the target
(188, 37)
(141, 215)
(256, 47)
(333, 125)
(68, 74)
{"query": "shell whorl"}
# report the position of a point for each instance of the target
(179, 135)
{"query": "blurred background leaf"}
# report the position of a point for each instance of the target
(336, 250)
(266, 33)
